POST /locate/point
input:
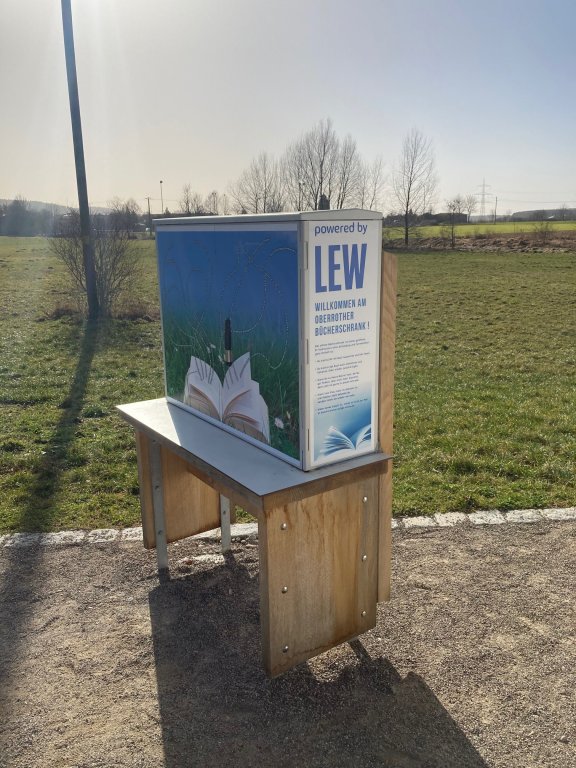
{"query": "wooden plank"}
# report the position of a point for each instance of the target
(367, 584)
(324, 484)
(190, 506)
(386, 417)
(244, 497)
(237, 468)
(318, 573)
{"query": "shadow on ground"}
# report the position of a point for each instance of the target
(38, 509)
(218, 708)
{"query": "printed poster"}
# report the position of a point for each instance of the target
(230, 299)
(342, 328)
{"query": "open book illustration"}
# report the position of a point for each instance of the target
(338, 441)
(236, 401)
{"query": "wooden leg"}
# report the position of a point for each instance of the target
(318, 573)
(225, 532)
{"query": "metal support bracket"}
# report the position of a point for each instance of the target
(225, 527)
(158, 503)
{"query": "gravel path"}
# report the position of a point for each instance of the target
(472, 663)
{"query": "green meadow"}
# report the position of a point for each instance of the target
(485, 382)
(485, 387)
(483, 229)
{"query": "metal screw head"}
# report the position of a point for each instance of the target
(283, 526)
(364, 558)
(363, 613)
(285, 649)
(284, 590)
(365, 499)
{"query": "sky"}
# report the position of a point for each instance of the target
(190, 91)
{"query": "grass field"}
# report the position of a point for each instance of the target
(482, 229)
(485, 382)
(485, 388)
(66, 460)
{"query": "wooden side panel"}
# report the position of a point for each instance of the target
(318, 574)
(386, 417)
(190, 506)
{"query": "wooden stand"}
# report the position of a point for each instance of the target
(324, 536)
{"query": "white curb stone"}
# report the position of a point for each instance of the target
(449, 519)
(250, 530)
(212, 559)
(63, 537)
(419, 522)
(560, 514)
(490, 517)
(244, 529)
(213, 534)
(131, 534)
(523, 516)
(102, 535)
(23, 540)
(237, 531)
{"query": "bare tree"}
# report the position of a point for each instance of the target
(116, 261)
(124, 215)
(456, 206)
(197, 204)
(542, 230)
(191, 203)
(185, 201)
(311, 167)
(348, 173)
(414, 179)
(321, 153)
(17, 216)
(293, 169)
(317, 171)
(321, 167)
(371, 185)
(259, 189)
(470, 205)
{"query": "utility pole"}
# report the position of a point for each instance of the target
(495, 208)
(161, 198)
(85, 229)
(149, 218)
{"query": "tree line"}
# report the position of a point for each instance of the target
(321, 170)
(318, 170)
(18, 219)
